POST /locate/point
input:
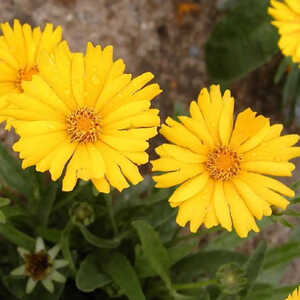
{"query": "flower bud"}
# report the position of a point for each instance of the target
(82, 213)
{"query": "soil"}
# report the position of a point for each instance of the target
(167, 38)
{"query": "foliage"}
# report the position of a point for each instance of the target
(132, 250)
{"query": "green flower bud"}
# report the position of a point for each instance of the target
(82, 213)
(231, 278)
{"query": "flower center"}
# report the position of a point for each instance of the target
(25, 74)
(83, 126)
(37, 265)
(223, 163)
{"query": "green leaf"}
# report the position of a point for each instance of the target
(13, 175)
(282, 69)
(45, 204)
(4, 201)
(17, 237)
(182, 250)
(267, 292)
(295, 200)
(122, 273)
(90, 276)
(254, 264)
(291, 91)
(97, 241)
(155, 252)
(276, 260)
(241, 42)
(205, 262)
(65, 246)
(2, 217)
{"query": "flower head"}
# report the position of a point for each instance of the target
(219, 166)
(286, 16)
(295, 295)
(41, 265)
(20, 50)
(84, 113)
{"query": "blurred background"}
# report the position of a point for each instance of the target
(167, 38)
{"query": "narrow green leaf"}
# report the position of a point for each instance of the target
(282, 69)
(255, 263)
(295, 200)
(242, 41)
(90, 276)
(122, 273)
(97, 241)
(65, 246)
(2, 217)
(45, 204)
(154, 250)
(17, 237)
(13, 175)
(285, 223)
(182, 250)
(281, 254)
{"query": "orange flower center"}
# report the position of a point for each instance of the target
(25, 74)
(37, 265)
(83, 126)
(223, 163)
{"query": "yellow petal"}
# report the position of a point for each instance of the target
(268, 182)
(255, 139)
(242, 219)
(101, 185)
(189, 188)
(221, 206)
(181, 154)
(194, 209)
(257, 206)
(61, 157)
(269, 167)
(178, 134)
(124, 144)
(177, 177)
(77, 78)
(226, 118)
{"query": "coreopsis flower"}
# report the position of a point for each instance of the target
(20, 49)
(295, 295)
(221, 166)
(41, 265)
(83, 112)
(286, 16)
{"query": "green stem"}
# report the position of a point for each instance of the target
(194, 285)
(108, 200)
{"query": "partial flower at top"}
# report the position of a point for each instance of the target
(219, 164)
(295, 295)
(83, 112)
(286, 16)
(41, 265)
(20, 49)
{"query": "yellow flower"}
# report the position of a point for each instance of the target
(84, 112)
(287, 16)
(219, 166)
(20, 49)
(295, 295)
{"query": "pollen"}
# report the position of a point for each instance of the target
(25, 74)
(37, 265)
(83, 126)
(223, 163)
